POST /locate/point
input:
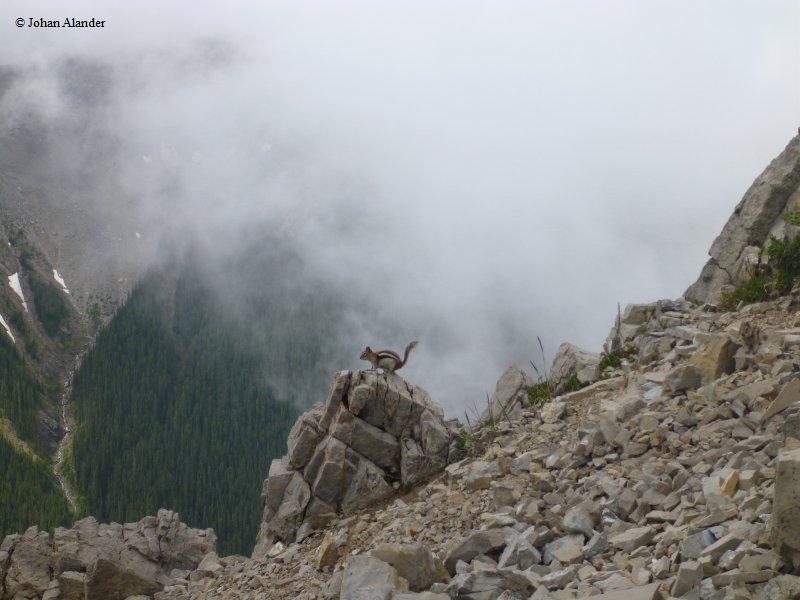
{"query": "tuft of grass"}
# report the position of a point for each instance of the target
(548, 386)
(540, 392)
(613, 360)
(543, 390)
(466, 438)
(755, 289)
(571, 384)
(792, 217)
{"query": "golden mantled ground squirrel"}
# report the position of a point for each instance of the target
(386, 359)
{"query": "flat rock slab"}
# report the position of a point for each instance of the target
(645, 592)
(367, 578)
(628, 541)
(785, 535)
(789, 394)
(476, 543)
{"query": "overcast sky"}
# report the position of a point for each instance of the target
(492, 170)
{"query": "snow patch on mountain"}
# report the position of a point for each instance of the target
(60, 280)
(8, 329)
(13, 281)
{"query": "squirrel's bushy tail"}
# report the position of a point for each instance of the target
(409, 348)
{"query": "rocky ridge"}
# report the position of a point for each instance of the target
(658, 480)
(102, 561)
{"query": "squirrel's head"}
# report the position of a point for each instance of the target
(365, 354)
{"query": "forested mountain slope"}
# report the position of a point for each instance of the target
(40, 335)
(188, 394)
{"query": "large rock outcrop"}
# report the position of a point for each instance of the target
(755, 217)
(96, 561)
(570, 360)
(375, 434)
(635, 487)
(510, 396)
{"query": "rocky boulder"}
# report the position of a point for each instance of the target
(101, 561)
(510, 396)
(571, 360)
(785, 534)
(375, 434)
(748, 228)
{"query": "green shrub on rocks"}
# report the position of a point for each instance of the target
(613, 360)
(572, 384)
(540, 392)
(755, 289)
(777, 277)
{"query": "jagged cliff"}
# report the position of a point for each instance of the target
(737, 248)
(671, 471)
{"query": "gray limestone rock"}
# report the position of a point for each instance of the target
(365, 486)
(108, 561)
(510, 396)
(596, 545)
(565, 550)
(368, 578)
(629, 540)
(107, 579)
(783, 587)
(287, 519)
(380, 447)
(690, 574)
(476, 543)
(789, 394)
(519, 554)
(552, 412)
(579, 520)
(489, 584)
(414, 562)
(71, 585)
(683, 377)
(280, 474)
(374, 434)
(416, 465)
(715, 358)
(171, 541)
(644, 592)
(785, 533)
(560, 578)
(749, 225)
(303, 438)
(693, 545)
(27, 573)
(571, 360)
(722, 545)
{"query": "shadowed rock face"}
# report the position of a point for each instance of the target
(102, 561)
(748, 228)
(374, 434)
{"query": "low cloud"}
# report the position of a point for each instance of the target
(479, 174)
